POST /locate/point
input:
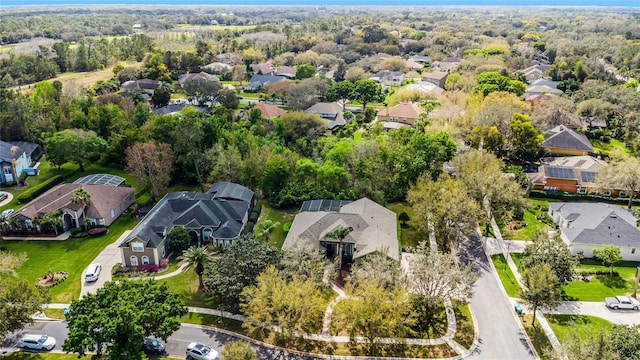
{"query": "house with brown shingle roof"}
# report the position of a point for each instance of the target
(269, 111)
(105, 205)
(198, 77)
(374, 229)
(404, 114)
(438, 78)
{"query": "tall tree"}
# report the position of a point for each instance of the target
(492, 189)
(551, 250)
(295, 306)
(340, 91)
(608, 255)
(115, 320)
(197, 258)
(151, 164)
(74, 145)
(19, 300)
(366, 91)
(623, 175)
(306, 262)
(525, 138)
(435, 276)
(379, 268)
(373, 312)
(82, 198)
(238, 267)
(541, 290)
(443, 208)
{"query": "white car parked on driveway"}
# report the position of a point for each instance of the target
(622, 302)
(37, 342)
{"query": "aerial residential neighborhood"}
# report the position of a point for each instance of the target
(318, 182)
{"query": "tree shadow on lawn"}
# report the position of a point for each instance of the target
(613, 282)
(571, 320)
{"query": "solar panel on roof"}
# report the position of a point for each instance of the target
(323, 205)
(588, 176)
(560, 173)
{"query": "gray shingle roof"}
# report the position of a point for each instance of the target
(375, 228)
(23, 147)
(564, 138)
(598, 224)
(223, 210)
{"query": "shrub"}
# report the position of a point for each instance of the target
(164, 263)
(97, 231)
(76, 231)
(286, 227)
(150, 268)
(253, 217)
(34, 192)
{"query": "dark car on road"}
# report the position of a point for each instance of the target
(153, 346)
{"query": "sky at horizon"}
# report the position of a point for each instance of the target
(511, 3)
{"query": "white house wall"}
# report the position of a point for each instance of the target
(627, 253)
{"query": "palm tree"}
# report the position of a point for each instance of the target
(339, 233)
(196, 258)
(14, 151)
(82, 198)
(266, 227)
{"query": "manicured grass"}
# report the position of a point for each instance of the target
(407, 234)
(72, 255)
(600, 286)
(537, 336)
(566, 326)
(506, 276)
(54, 313)
(277, 236)
(186, 285)
(464, 325)
(212, 320)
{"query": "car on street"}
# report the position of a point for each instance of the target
(197, 351)
(153, 346)
(622, 302)
(37, 342)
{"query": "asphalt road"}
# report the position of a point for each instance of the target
(176, 344)
(499, 333)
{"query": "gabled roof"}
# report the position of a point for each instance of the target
(402, 110)
(419, 59)
(425, 87)
(218, 67)
(270, 111)
(331, 112)
(223, 210)
(23, 147)
(103, 199)
(561, 137)
(435, 75)
(414, 65)
(262, 80)
(598, 224)
(261, 69)
(287, 71)
(374, 228)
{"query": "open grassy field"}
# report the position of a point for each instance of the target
(71, 255)
(277, 236)
(567, 326)
(597, 287)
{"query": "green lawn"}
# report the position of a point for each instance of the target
(72, 256)
(566, 326)
(613, 147)
(464, 325)
(600, 286)
(406, 233)
(537, 208)
(186, 285)
(277, 236)
(537, 336)
(506, 276)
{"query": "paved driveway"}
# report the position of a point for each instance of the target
(108, 258)
(620, 317)
(500, 335)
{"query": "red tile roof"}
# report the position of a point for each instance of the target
(270, 111)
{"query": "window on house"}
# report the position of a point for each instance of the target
(164, 251)
(134, 260)
(582, 191)
(633, 251)
(393, 118)
(113, 213)
(606, 193)
(145, 260)
(7, 171)
(622, 194)
(137, 246)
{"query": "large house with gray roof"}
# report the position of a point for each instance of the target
(562, 140)
(586, 226)
(374, 228)
(217, 217)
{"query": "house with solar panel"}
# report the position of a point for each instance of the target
(216, 217)
(570, 174)
(109, 197)
(586, 226)
(562, 140)
(374, 229)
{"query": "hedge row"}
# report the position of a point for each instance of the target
(36, 191)
(579, 197)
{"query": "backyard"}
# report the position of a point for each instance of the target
(277, 235)
(407, 234)
(535, 218)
